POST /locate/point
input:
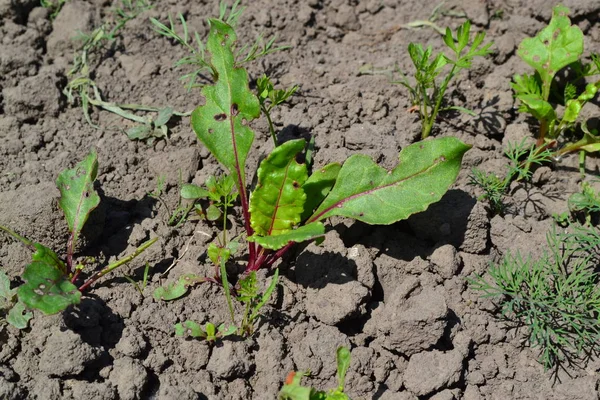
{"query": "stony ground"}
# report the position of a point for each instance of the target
(396, 295)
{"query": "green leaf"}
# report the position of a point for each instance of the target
(190, 328)
(266, 295)
(140, 132)
(221, 124)
(48, 256)
(539, 108)
(6, 293)
(193, 192)
(277, 203)
(164, 115)
(177, 289)
(248, 288)
(77, 195)
(301, 234)
(318, 186)
(343, 363)
(574, 106)
(292, 390)
(218, 254)
(213, 213)
(554, 47)
(46, 288)
(369, 193)
(210, 329)
(19, 316)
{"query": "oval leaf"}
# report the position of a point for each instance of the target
(193, 192)
(177, 289)
(220, 124)
(47, 289)
(77, 195)
(278, 200)
(369, 193)
(556, 46)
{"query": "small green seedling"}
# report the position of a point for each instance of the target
(53, 6)
(83, 89)
(197, 49)
(555, 47)
(288, 205)
(494, 188)
(220, 193)
(210, 333)
(252, 300)
(557, 298)
(293, 390)
(49, 281)
(427, 93)
(140, 286)
(12, 310)
(583, 206)
(269, 98)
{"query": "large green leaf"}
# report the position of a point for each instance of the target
(318, 186)
(301, 234)
(221, 124)
(277, 203)
(371, 194)
(46, 286)
(554, 47)
(77, 195)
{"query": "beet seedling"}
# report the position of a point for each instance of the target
(288, 205)
(49, 280)
(293, 390)
(428, 92)
(210, 333)
(555, 47)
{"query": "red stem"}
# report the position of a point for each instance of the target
(90, 281)
(242, 190)
(75, 276)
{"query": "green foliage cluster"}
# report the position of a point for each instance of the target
(555, 47)
(584, 207)
(293, 390)
(494, 188)
(557, 297)
(49, 281)
(288, 203)
(427, 93)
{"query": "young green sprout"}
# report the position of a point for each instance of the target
(427, 93)
(555, 47)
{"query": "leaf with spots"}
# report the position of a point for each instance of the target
(277, 203)
(221, 123)
(369, 193)
(46, 286)
(78, 198)
(554, 47)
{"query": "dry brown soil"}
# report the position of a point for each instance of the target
(396, 295)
